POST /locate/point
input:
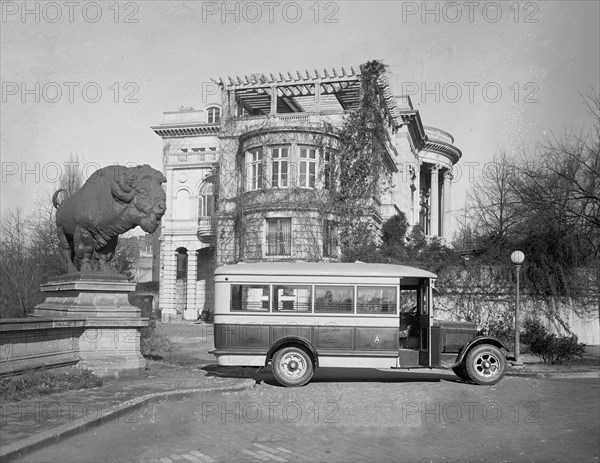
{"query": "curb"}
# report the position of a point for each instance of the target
(574, 375)
(23, 446)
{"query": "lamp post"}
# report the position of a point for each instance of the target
(517, 258)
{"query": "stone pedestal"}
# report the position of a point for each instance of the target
(87, 295)
(109, 341)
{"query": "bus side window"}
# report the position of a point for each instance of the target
(334, 299)
(292, 298)
(376, 299)
(253, 298)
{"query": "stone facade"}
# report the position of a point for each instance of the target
(249, 179)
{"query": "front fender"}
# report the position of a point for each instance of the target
(475, 342)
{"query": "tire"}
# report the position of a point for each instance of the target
(485, 365)
(461, 372)
(292, 367)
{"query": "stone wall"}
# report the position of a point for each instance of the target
(580, 317)
(106, 346)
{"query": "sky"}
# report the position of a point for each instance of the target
(91, 78)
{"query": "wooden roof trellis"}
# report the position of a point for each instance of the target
(254, 91)
(264, 81)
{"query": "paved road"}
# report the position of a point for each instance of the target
(360, 415)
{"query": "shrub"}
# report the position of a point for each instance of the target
(534, 331)
(498, 327)
(552, 349)
(153, 344)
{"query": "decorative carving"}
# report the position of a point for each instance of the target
(114, 199)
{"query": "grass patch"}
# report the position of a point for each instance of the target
(39, 383)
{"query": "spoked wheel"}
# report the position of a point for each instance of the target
(461, 372)
(485, 364)
(292, 366)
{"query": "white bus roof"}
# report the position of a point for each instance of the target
(324, 269)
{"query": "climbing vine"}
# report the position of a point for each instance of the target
(361, 167)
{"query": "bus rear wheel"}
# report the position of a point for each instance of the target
(292, 367)
(485, 364)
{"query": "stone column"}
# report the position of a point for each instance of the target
(435, 201)
(416, 206)
(167, 281)
(447, 207)
(191, 311)
(273, 99)
(318, 95)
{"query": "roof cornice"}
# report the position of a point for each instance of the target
(182, 130)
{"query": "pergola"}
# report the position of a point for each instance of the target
(322, 92)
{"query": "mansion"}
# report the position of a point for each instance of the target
(249, 179)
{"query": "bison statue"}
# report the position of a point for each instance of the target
(113, 200)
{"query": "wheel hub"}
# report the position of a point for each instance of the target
(293, 365)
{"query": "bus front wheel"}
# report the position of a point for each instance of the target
(292, 366)
(485, 364)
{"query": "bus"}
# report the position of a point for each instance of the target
(300, 316)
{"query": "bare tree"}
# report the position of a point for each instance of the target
(72, 177)
(19, 281)
(494, 207)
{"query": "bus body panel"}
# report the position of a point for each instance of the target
(250, 334)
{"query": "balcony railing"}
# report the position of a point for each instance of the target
(205, 228)
(193, 157)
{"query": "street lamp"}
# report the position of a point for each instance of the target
(517, 258)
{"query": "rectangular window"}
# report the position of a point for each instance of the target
(279, 237)
(288, 298)
(308, 167)
(250, 298)
(334, 299)
(328, 171)
(376, 299)
(280, 159)
(255, 169)
(330, 239)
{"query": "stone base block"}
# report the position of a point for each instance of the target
(111, 347)
(190, 314)
(170, 315)
(87, 295)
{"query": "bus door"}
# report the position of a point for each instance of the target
(424, 313)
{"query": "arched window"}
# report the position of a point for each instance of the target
(206, 201)
(182, 205)
(213, 114)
